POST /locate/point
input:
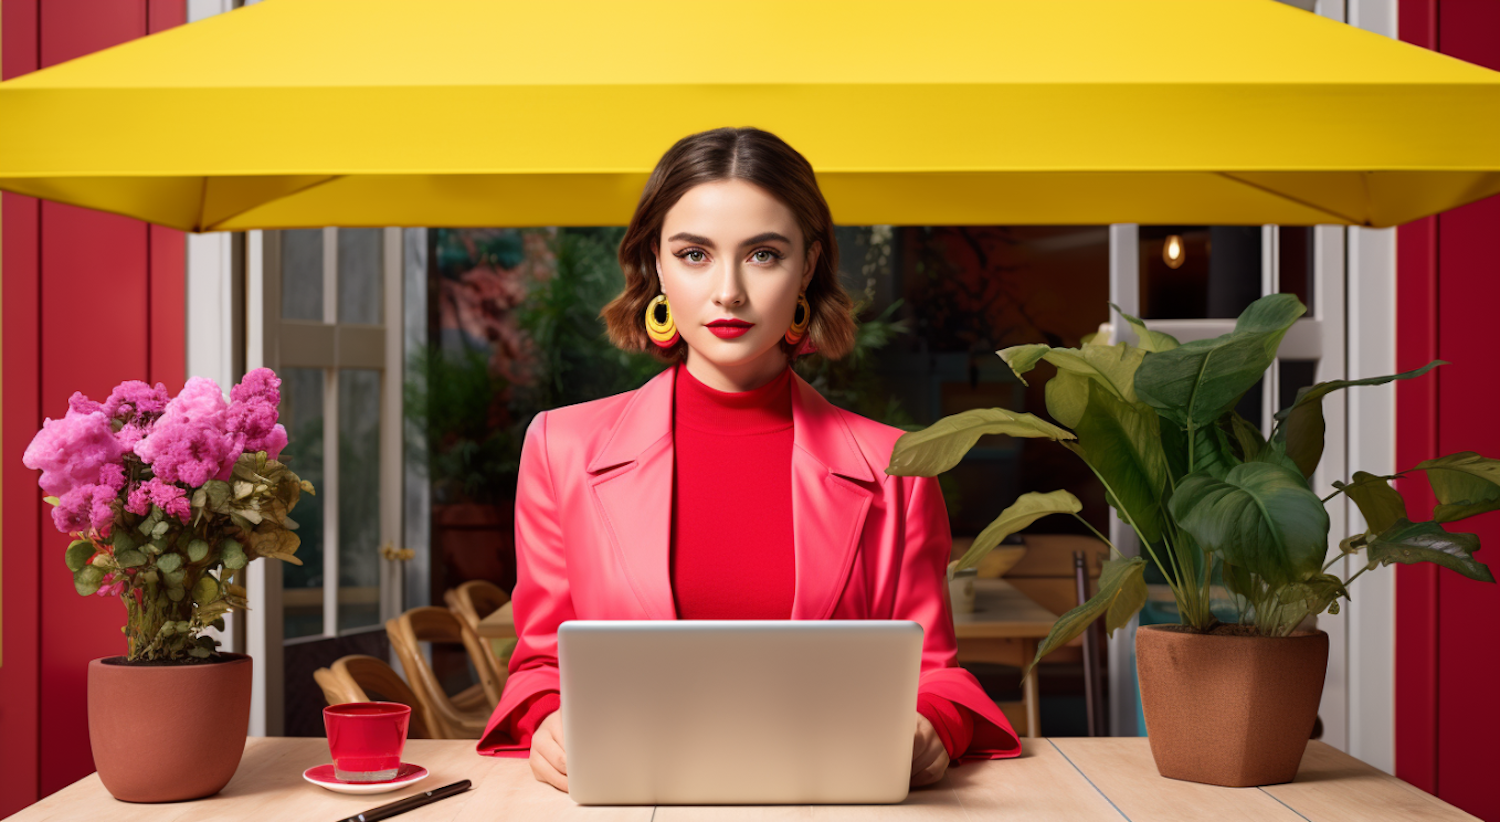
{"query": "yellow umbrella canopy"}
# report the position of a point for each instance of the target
(297, 113)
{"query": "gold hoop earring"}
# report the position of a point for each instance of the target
(800, 319)
(659, 324)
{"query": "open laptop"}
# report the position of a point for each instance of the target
(738, 712)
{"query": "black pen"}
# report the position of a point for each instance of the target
(410, 803)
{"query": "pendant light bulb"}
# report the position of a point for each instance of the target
(1172, 251)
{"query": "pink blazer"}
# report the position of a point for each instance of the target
(593, 536)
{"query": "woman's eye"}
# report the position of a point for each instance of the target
(764, 256)
(693, 255)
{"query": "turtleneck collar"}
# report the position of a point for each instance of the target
(758, 411)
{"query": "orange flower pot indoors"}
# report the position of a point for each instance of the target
(1226, 708)
(168, 732)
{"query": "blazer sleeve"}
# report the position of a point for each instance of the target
(541, 600)
(922, 595)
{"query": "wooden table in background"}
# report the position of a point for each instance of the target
(1054, 780)
(1000, 613)
(500, 624)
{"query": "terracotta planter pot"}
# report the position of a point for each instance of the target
(164, 733)
(1229, 710)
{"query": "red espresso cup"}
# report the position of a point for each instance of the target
(366, 739)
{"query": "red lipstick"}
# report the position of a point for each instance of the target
(729, 329)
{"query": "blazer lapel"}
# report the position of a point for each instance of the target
(828, 507)
(632, 483)
(632, 478)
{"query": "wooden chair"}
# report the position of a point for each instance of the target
(360, 678)
(473, 601)
(438, 625)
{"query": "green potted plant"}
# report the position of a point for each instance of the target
(1210, 497)
(167, 498)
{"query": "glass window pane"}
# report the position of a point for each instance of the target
(1295, 375)
(1198, 272)
(302, 274)
(1296, 263)
(359, 498)
(360, 256)
(302, 585)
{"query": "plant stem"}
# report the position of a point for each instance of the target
(1356, 575)
(1176, 590)
(1105, 539)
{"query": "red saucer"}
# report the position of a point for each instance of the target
(322, 776)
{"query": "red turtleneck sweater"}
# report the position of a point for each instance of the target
(726, 566)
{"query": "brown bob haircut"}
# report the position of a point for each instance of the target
(758, 157)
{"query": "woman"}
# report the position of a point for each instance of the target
(726, 487)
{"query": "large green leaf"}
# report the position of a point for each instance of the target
(1174, 444)
(1111, 366)
(1212, 452)
(1409, 542)
(1246, 437)
(1274, 454)
(1260, 517)
(1023, 358)
(1027, 508)
(1465, 484)
(1379, 503)
(1121, 442)
(1194, 384)
(940, 446)
(1149, 340)
(1122, 592)
(1067, 397)
(1303, 427)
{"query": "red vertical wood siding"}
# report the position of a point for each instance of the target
(89, 299)
(1448, 627)
(1416, 440)
(19, 277)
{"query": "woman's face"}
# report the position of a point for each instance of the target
(730, 251)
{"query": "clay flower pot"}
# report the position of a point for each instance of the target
(1227, 709)
(165, 733)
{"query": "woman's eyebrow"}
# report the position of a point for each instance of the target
(765, 237)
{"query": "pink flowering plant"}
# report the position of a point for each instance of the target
(166, 499)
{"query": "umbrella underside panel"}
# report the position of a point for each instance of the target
(1017, 198)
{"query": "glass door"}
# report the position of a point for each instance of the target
(332, 312)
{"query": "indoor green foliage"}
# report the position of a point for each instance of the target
(1202, 487)
(575, 360)
(471, 446)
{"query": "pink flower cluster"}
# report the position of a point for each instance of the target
(176, 443)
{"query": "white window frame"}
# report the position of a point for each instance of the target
(213, 303)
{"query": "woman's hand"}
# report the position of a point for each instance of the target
(550, 765)
(929, 759)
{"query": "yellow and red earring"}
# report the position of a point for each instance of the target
(659, 324)
(800, 318)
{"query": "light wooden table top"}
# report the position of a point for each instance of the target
(1000, 612)
(1067, 780)
(500, 624)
